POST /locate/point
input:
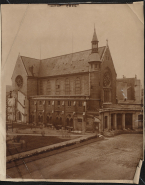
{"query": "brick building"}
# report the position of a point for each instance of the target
(67, 90)
(129, 89)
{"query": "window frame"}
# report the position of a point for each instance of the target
(57, 87)
(48, 88)
(96, 66)
(78, 85)
(58, 103)
(67, 86)
(80, 103)
(49, 102)
(69, 103)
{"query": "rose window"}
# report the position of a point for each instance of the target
(107, 79)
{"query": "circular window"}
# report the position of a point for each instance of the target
(19, 81)
(107, 79)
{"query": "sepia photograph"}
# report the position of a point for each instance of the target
(72, 91)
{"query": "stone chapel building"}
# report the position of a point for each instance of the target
(72, 90)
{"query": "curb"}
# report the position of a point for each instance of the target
(50, 148)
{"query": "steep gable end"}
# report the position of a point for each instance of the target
(107, 59)
(20, 70)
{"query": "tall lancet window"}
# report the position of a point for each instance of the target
(48, 88)
(57, 87)
(67, 86)
(78, 86)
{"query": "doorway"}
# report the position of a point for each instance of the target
(119, 121)
(128, 121)
(106, 119)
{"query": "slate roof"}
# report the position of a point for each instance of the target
(28, 63)
(60, 65)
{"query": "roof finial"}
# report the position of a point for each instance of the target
(94, 35)
(40, 50)
(107, 42)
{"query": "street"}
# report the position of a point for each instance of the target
(114, 158)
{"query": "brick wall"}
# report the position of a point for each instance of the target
(95, 84)
(32, 87)
(63, 106)
(84, 85)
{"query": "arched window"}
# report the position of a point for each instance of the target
(48, 88)
(41, 87)
(57, 87)
(67, 86)
(78, 86)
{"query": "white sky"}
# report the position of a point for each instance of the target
(61, 30)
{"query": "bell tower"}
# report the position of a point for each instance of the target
(94, 59)
(94, 73)
(95, 43)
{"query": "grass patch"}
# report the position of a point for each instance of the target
(32, 142)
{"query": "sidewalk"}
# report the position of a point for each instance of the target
(71, 135)
(50, 147)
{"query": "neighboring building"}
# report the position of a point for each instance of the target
(8, 95)
(68, 90)
(10, 107)
(128, 112)
(129, 89)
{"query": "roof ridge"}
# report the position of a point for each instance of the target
(71, 53)
(60, 55)
(30, 57)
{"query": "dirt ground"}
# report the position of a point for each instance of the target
(114, 158)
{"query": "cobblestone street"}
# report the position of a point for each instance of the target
(112, 158)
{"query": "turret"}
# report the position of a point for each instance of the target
(94, 59)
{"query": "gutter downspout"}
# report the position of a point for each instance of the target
(89, 83)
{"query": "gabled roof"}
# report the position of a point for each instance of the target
(60, 65)
(67, 64)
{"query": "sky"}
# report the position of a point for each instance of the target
(41, 31)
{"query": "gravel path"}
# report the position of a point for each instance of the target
(114, 158)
